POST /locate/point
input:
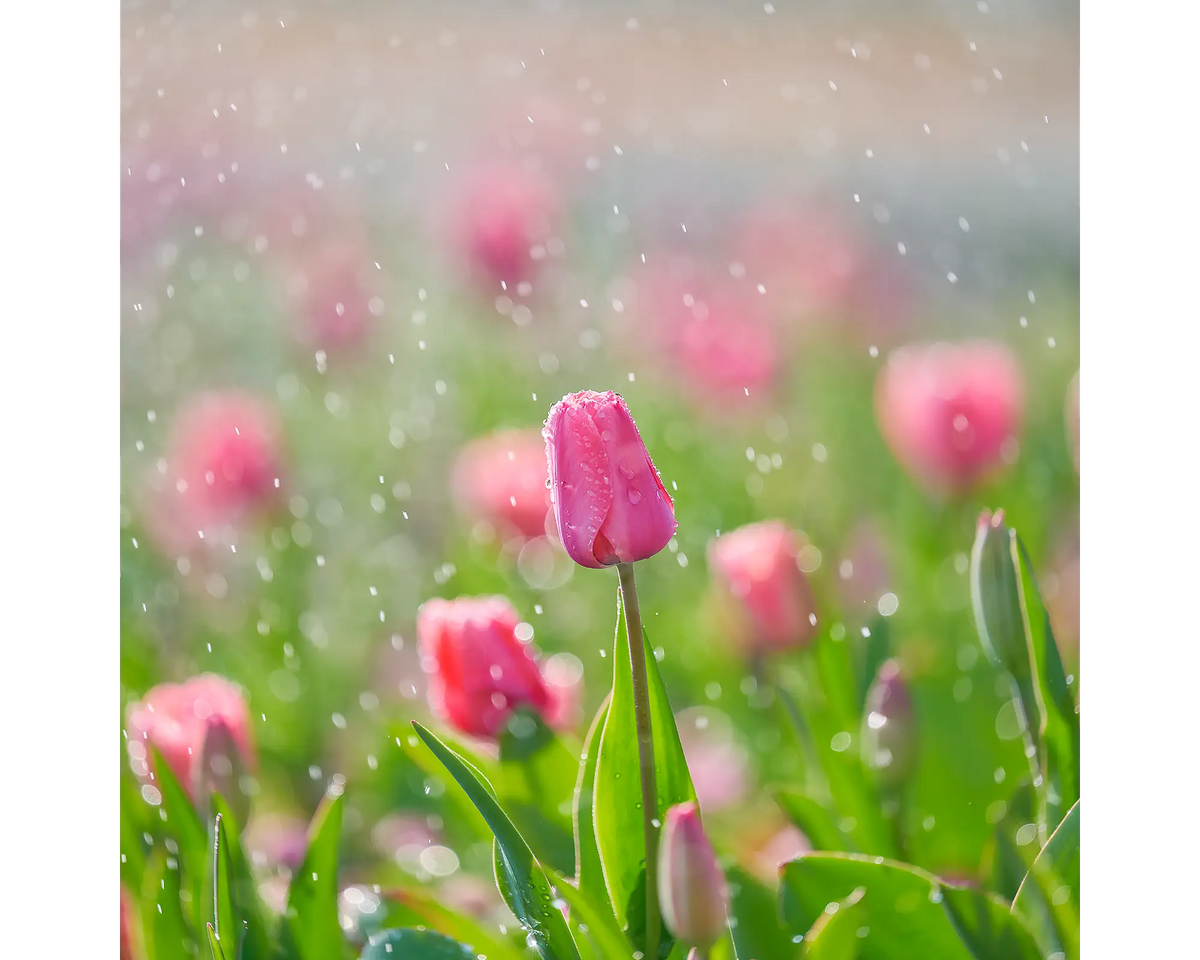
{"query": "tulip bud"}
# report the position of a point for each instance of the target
(757, 567)
(950, 412)
(1072, 413)
(179, 718)
(691, 886)
(220, 769)
(479, 670)
(888, 736)
(609, 501)
(502, 479)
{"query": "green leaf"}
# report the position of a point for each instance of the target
(133, 830)
(225, 917)
(524, 885)
(592, 921)
(758, 932)
(588, 870)
(414, 906)
(214, 943)
(183, 823)
(905, 909)
(1015, 631)
(986, 925)
(1060, 719)
(310, 922)
(835, 935)
(164, 931)
(414, 945)
(248, 906)
(813, 820)
(617, 794)
(1048, 899)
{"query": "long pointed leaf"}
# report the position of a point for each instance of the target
(214, 943)
(1048, 899)
(588, 870)
(529, 892)
(255, 942)
(225, 918)
(164, 931)
(754, 922)
(617, 795)
(184, 824)
(311, 927)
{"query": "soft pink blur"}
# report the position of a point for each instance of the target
(126, 926)
(272, 841)
(711, 334)
(223, 463)
(862, 573)
(1060, 592)
(502, 479)
(609, 501)
(691, 886)
(479, 671)
(176, 717)
(756, 566)
(563, 676)
(1072, 416)
(329, 295)
(950, 412)
(718, 764)
(502, 213)
(779, 847)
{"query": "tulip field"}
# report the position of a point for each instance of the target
(507, 572)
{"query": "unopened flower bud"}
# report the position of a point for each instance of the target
(691, 886)
(888, 734)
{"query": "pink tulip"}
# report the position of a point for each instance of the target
(502, 213)
(222, 464)
(479, 671)
(950, 412)
(609, 501)
(713, 336)
(757, 567)
(331, 298)
(888, 735)
(179, 718)
(274, 841)
(691, 886)
(502, 479)
(1072, 415)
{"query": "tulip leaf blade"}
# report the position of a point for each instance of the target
(225, 917)
(602, 935)
(184, 824)
(310, 921)
(164, 930)
(905, 907)
(214, 943)
(836, 935)
(617, 794)
(249, 907)
(1048, 898)
(755, 925)
(813, 820)
(521, 879)
(417, 944)
(589, 872)
(418, 906)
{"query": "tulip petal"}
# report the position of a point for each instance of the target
(580, 482)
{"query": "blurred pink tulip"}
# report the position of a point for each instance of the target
(950, 412)
(691, 886)
(178, 719)
(862, 572)
(719, 766)
(222, 464)
(479, 671)
(609, 501)
(126, 927)
(713, 336)
(888, 734)
(502, 479)
(331, 299)
(781, 846)
(272, 841)
(757, 567)
(502, 213)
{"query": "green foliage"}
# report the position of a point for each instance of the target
(310, 922)
(414, 945)
(1048, 899)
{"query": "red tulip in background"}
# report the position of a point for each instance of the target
(223, 463)
(609, 501)
(479, 671)
(330, 298)
(180, 718)
(502, 213)
(690, 882)
(757, 567)
(713, 336)
(502, 479)
(950, 411)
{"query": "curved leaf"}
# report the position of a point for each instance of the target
(414, 945)
(255, 941)
(225, 918)
(413, 906)
(311, 925)
(183, 823)
(594, 923)
(905, 909)
(588, 871)
(1048, 898)
(164, 931)
(754, 923)
(813, 820)
(839, 930)
(617, 794)
(525, 887)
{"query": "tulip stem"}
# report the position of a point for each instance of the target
(645, 736)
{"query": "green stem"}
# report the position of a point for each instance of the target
(641, 709)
